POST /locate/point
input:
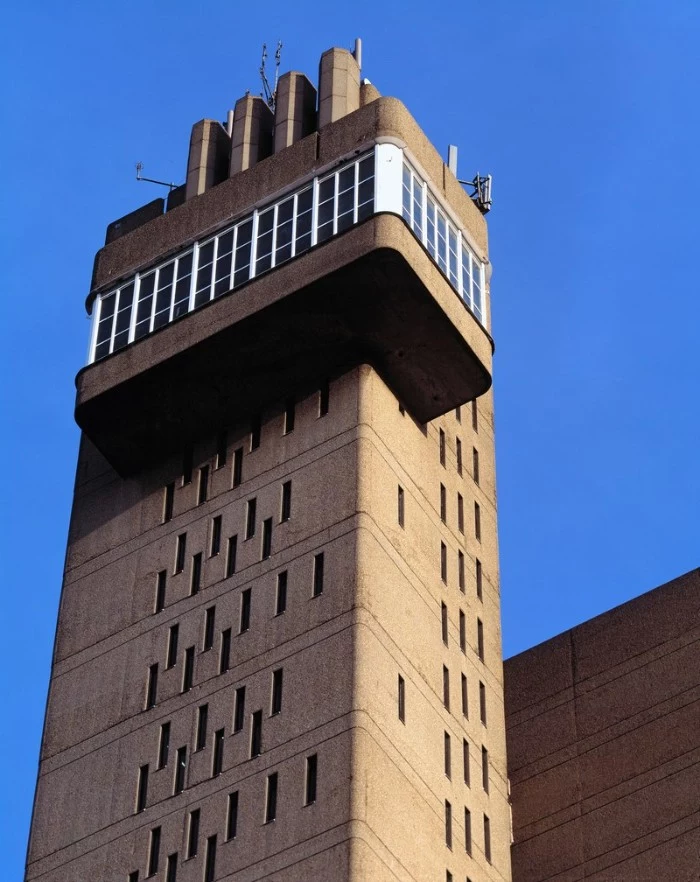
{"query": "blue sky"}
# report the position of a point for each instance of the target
(587, 116)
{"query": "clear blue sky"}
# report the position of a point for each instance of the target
(587, 116)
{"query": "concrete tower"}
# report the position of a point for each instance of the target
(278, 652)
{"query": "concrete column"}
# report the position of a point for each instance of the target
(295, 109)
(338, 86)
(253, 125)
(208, 160)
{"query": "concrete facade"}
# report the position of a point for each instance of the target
(603, 732)
(383, 522)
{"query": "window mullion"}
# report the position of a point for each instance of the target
(314, 213)
(295, 208)
(212, 281)
(193, 277)
(275, 221)
(234, 245)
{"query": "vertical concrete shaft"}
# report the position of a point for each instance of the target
(295, 109)
(338, 86)
(208, 159)
(253, 126)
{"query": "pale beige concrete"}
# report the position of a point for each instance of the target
(208, 159)
(253, 127)
(338, 86)
(295, 109)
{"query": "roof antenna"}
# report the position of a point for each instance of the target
(139, 177)
(270, 94)
(481, 186)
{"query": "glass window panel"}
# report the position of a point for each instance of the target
(225, 244)
(418, 208)
(202, 292)
(431, 227)
(366, 168)
(222, 282)
(407, 194)
(442, 242)
(365, 191)
(264, 247)
(182, 285)
(163, 295)
(346, 201)
(326, 201)
(102, 349)
(123, 320)
(242, 267)
(283, 251)
(453, 256)
(303, 234)
(104, 328)
(346, 179)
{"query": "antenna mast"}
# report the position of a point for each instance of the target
(270, 94)
(139, 177)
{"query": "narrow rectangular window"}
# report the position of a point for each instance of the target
(231, 551)
(215, 544)
(245, 610)
(475, 418)
(168, 502)
(232, 816)
(187, 456)
(460, 513)
(480, 639)
(443, 503)
(443, 448)
(477, 521)
(256, 734)
(482, 702)
(164, 745)
(448, 876)
(271, 798)
(238, 709)
(448, 755)
(286, 506)
(180, 551)
(250, 518)
(460, 571)
(402, 699)
(217, 761)
(446, 687)
(161, 581)
(465, 696)
(289, 416)
(221, 450)
(152, 687)
(475, 465)
(237, 467)
(468, 831)
(196, 575)
(485, 769)
(142, 789)
(448, 824)
(458, 413)
(255, 428)
(225, 653)
(171, 655)
(318, 575)
(188, 672)
(209, 623)
(154, 851)
(443, 617)
(479, 581)
(171, 874)
(203, 486)
(462, 631)
(281, 595)
(266, 548)
(323, 398)
(134, 877)
(443, 562)
(311, 776)
(401, 506)
(487, 838)
(465, 762)
(459, 456)
(193, 834)
(180, 770)
(210, 859)
(202, 718)
(276, 700)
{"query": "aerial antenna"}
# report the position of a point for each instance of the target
(270, 94)
(481, 186)
(481, 192)
(140, 177)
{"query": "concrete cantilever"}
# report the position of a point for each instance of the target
(371, 295)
